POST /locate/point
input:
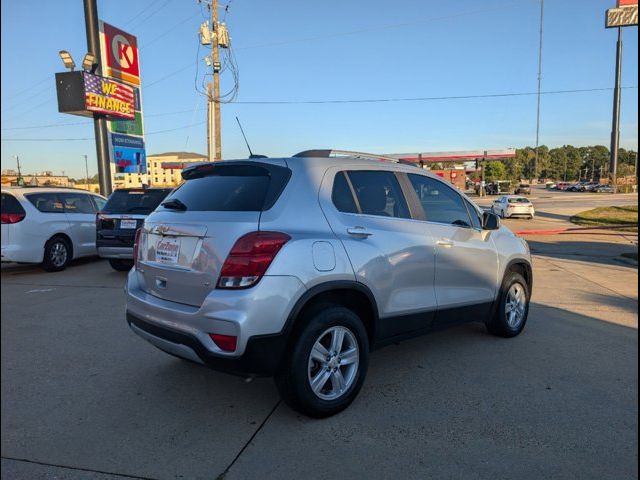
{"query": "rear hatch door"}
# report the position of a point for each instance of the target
(185, 242)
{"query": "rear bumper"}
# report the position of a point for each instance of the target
(261, 356)
(124, 253)
(255, 316)
(19, 253)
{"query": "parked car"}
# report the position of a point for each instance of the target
(603, 189)
(50, 226)
(299, 267)
(550, 186)
(117, 222)
(523, 189)
(499, 187)
(563, 186)
(509, 206)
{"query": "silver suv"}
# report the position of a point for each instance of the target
(298, 267)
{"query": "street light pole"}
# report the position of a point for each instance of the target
(535, 161)
(615, 129)
(86, 172)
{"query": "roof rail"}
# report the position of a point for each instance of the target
(329, 153)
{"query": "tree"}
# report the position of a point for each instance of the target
(494, 171)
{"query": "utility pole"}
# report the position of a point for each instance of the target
(99, 121)
(615, 128)
(213, 38)
(482, 185)
(535, 161)
(593, 168)
(86, 172)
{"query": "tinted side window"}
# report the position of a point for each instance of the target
(77, 203)
(441, 203)
(341, 195)
(99, 201)
(46, 202)
(476, 221)
(10, 205)
(379, 193)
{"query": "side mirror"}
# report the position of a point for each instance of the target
(490, 221)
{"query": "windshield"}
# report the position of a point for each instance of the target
(141, 202)
(519, 200)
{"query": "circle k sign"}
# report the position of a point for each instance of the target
(121, 53)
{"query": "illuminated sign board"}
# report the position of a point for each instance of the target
(120, 52)
(121, 61)
(85, 94)
(109, 97)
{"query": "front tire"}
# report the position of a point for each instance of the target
(121, 265)
(328, 363)
(57, 254)
(511, 314)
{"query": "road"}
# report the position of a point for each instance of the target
(83, 397)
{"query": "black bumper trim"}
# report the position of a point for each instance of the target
(261, 357)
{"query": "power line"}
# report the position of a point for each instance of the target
(88, 122)
(352, 101)
(168, 31)
(422, 99)
(144, 10)
(28, 89)
(384, 27)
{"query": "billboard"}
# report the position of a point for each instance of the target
(106, 96)
(83, 93)
(121, 61)
(625, 15)
(120, 54)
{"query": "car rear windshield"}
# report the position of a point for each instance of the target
(519, 200)
(139, 202)
(235, 187)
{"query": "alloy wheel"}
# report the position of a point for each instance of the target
(333, 363)
(515, 305)
(58, 254)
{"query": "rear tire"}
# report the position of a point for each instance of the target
(328, 363)
(121, 265)
(57, 254)
(512, 311)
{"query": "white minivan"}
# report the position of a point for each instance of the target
(50, 226)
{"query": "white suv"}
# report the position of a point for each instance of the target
(51, 226)
(298, 267)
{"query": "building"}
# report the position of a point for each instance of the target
(43, 179)
(163, 170)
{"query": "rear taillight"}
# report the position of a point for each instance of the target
(249, 259)
(12, 217)
(136, 245)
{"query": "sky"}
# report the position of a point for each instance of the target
(298, 51)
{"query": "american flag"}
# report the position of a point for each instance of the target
(103, 95)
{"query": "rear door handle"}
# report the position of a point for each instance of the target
(445, 243)
(359, 232)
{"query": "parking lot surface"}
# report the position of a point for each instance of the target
(83, 397)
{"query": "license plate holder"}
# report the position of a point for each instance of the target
(128, 224)
(168, 250)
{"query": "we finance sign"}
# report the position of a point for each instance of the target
(108, 97)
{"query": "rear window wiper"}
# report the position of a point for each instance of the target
(174, 204)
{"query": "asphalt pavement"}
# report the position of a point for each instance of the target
(83, 397)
